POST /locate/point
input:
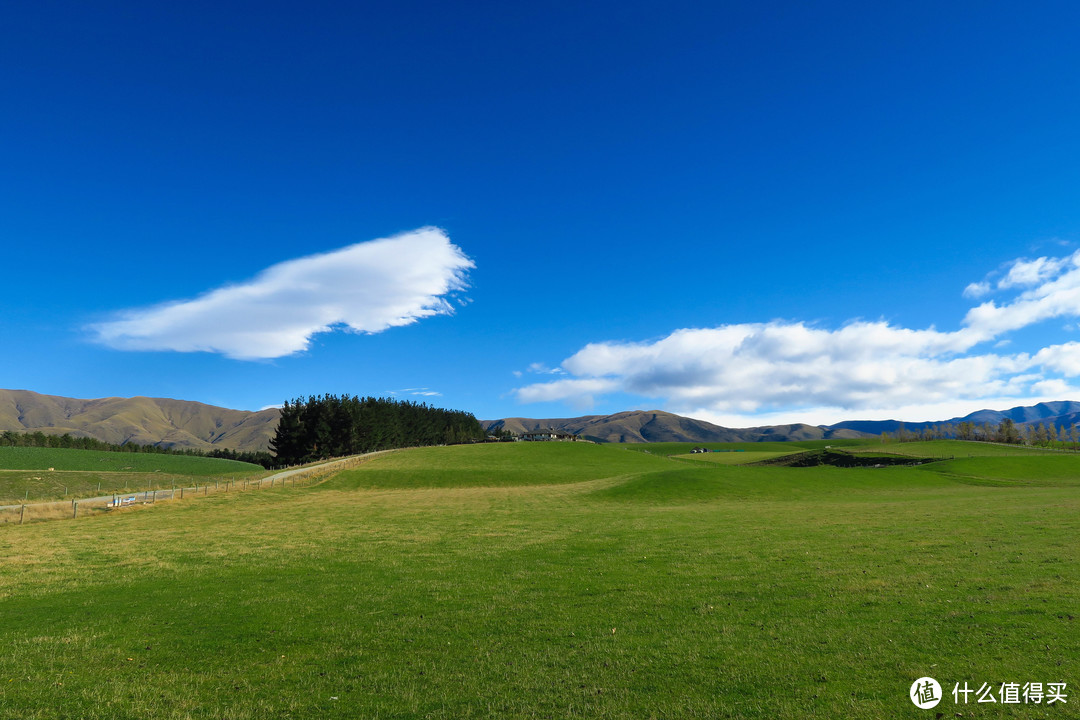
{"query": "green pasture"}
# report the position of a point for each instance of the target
(555, 580)
(1059, 470)
(950, 448)
(683, 448)
(733, 458)
(495, 464)
(30, 473)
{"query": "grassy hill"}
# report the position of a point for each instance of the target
(548, 580)
(143, 421)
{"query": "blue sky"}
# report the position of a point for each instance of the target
(745, 212)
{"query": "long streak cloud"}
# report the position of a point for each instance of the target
(364, 288)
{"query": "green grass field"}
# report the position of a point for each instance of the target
(734, 458)
(682, 448)
(553, 581)
(28, 473)
(950, 448)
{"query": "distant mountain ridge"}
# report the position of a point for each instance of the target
(659, 426)
(638, 426)
(140, 420)
(186, 424)
(1062, 413)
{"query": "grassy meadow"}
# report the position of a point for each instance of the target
(949, 448)
(554, 581)
(35, 474)
(733, 458)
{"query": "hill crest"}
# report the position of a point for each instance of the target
(141, 420)
(636, 426)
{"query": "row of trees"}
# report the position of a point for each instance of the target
(1006, 431)
(10, 438)
(332, 426)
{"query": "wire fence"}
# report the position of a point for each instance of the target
(22, 513)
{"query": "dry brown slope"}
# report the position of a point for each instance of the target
(142, 420)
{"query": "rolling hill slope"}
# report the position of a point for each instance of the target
(657, 426)
(140, 420)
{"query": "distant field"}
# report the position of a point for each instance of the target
(555, 580)
(1059, 470)
(734, 458)
(666, 449)
(947, 448)
(51, 473)
(494, 465)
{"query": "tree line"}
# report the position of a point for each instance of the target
(333, 426)
(39, 439)
(1007, 431)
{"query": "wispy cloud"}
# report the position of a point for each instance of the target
(424, 392)
(365, 288)
(756, 369)
(542, 369)
(977, 290)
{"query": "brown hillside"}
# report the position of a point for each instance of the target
(141, 420)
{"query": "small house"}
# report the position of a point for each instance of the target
(549, 435)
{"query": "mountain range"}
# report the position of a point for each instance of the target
(659, 426)
(140, 420)
(186, 424)
(638, 426)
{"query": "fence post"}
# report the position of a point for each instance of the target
(22, 514)
(155, 497)
(75, 511)
(181, 493)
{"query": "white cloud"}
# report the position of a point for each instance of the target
(579, 393)
(824, 415)
(542, 369)
(752, 367)
(978, 290)
(1025, 273)
(416, 391)
(1058, 296)
(366, 288)
(1064, 358)
(782, 370)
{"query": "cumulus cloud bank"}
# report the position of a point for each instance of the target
(365, 288)
(754, 369)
